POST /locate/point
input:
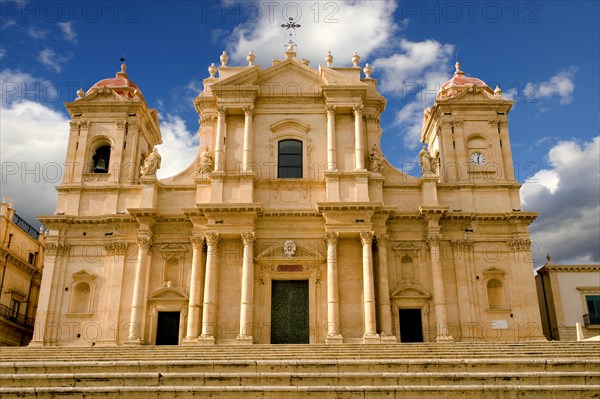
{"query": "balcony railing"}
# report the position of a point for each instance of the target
(15, 317)
(26, 227)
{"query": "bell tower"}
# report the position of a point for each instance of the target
(466, 131)
(112, 131)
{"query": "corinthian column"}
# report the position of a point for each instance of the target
(139, 289)
(247, 301)
(247, 155)
(366, 238)
(359, 142)
(383, 299)
(333, 303)
(331, 156)
(220, 145)
(210, 288)
(196, 283)
(439, 296)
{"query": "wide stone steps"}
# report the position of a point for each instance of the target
(460, 370)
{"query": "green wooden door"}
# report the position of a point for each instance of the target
(289, 312)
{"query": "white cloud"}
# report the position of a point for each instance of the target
(17, 86)
(33, 146)
(341, 27)
(52, 60)
(561, 85)
(415, 74)
(2, 53)
(68, 32)
(36, 33)
(179, 147)
(567, 195)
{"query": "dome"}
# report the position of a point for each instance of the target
(120, 84)
(459, 81)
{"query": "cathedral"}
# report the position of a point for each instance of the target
(290, 226)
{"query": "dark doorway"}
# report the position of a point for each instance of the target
(411, 325)
(289, 312)
(167, 328)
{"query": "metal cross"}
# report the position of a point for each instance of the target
(291, 25)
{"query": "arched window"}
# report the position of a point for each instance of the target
(289, 159)
(100, 159)
(80, 303)
(495, 291)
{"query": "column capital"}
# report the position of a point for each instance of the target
(197, 241)
(116, 248)
(433, 239)
(357, 109)
(248, 238)
(222, 111)
(145, 242)
(366, 237)
(206, 119)
(331, 237)
(330, 109)
(248, 110)
(382, 239)
(212, 239)
(53, 248)
(372, 118)
(462, 244)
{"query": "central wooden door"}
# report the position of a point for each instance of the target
(167, 329)
(289, 312)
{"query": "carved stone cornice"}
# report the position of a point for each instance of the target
(248, 238)
(519, 244)
(331, 237)
(18, 263)
(56, 249)
(366, 237)
(212, 239)
(116, 248)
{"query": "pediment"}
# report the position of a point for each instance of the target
(474, 94)
(106, 94)
(291, 78)
(168, 294)
(84, 275)
(247, 77)
(173, 247)
(276, 253)
(410, 291)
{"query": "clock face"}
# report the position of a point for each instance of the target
(477, 158)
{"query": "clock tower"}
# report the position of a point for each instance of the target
(466, 131)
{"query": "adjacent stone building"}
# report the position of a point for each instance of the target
(290, 226)
(22, 254)
(569, 294)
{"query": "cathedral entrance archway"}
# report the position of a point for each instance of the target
(167, 328)
(411, 325)
(289, 312)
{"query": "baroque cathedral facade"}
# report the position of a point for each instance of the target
(289, 226)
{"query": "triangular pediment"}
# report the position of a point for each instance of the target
(290, 77)
(83, 275)
(168, 294)
(410, 291)
(247, 77)
(302, 254)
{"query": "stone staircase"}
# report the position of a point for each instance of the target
(543, 370)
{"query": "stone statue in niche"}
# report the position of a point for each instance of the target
(207, 162)
(376, 160)
(427, 162)
(151, 164)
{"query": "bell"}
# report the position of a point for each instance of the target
(100, 166)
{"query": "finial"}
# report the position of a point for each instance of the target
(12, 204)
(212, 70)
(548, 258)
(457, 67)
(251, 58)
(4, 198)
(498, 91)
(290, 53)
(224, 59)
(80, 93)
(367, 70)
(329, 59)
(123, 67)
(355, 59)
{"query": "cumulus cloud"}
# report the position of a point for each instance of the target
(2, 53)
(68, 31)
(568, 197)
(52, 60)
(179, 147)
(341, 27)
(414, 73)
(559, 86)
(33, 147)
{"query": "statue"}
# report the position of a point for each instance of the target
(376, 160)
(427, 162)
(206, 161)
(151, 164)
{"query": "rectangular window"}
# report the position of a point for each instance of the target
(593, 308)
(289, 162)
(15, 305)
(31, 258)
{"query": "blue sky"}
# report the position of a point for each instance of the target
(543, 54)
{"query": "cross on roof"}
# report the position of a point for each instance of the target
(291, 25)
